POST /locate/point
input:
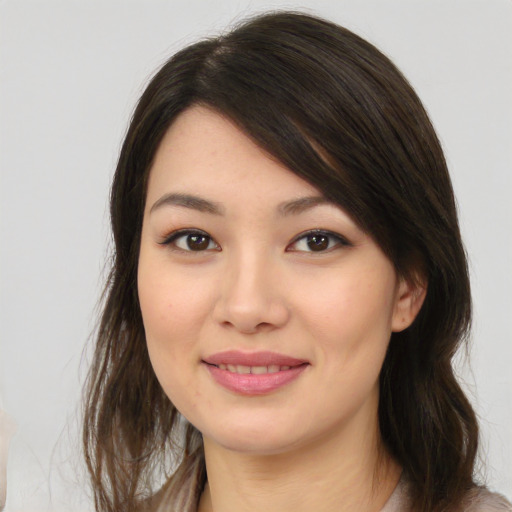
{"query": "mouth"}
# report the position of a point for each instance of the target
(253, 373)
(254, 370)
(272, 361)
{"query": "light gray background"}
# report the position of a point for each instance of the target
(70, 73)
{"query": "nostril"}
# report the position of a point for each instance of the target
(249, 329)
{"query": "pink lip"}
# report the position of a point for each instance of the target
(254, 384)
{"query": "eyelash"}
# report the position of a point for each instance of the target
(171, 239)
(339, 241)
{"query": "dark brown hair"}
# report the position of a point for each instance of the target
(338, 113)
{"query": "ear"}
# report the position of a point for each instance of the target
(409, 299)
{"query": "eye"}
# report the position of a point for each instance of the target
(191, 241)
(317, 241)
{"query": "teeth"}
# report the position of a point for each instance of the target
(256, 370)
(259, 369)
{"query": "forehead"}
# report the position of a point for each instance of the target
(205, 153)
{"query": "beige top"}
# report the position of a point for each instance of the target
(478, 500)
(399, 500)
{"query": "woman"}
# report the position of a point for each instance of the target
(288, 290)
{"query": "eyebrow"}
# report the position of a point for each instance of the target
(188, 201)
(302, 204)
(293, 207)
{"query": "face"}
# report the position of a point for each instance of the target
(267, 310)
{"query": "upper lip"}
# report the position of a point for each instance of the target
(266, 358)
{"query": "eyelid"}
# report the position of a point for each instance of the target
(175, 235)
(341, 240)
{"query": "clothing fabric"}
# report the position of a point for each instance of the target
(399, 501)
(478, 500)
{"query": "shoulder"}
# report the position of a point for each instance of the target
(480, 499)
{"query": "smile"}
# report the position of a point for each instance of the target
(257, 373)
(255, 370)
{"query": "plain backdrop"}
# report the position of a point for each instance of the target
(70, 73)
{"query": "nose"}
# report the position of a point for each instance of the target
(252, 298)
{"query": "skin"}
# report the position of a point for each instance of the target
(257, 285)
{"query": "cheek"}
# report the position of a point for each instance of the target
(352, 304)
(350, 321)
(174, 307)
(173, 311)
(172, 304)
(350, 318)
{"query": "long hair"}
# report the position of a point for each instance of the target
(336, 112)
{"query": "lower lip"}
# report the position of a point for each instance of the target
(254, 384)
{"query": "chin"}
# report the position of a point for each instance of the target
(260, 445)
(262, 439)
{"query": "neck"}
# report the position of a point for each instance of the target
(345, 473)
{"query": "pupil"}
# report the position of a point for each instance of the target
(197, 242)
(318, 242)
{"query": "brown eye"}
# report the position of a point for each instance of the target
(318, 242)
(198, 242)
(191, 241)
